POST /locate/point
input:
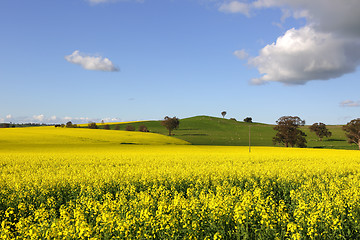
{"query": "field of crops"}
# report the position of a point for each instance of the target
(82, 184)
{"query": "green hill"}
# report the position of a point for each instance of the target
(205, 130)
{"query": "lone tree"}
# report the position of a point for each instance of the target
(223, 113)
(92, 125)
(248, 120)
(170, 123)
(289, 132)
(320, 130)
(352, 130)
(69, 124)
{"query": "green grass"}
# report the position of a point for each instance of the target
(205, 130)
(338, 139)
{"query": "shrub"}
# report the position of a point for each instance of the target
(143, 128)
(92, 125)
(130, 128)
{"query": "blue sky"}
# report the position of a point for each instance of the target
(127, 60)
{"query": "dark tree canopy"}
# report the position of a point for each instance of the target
(69, 124)
(223, 113)
(143, 128)
(170, 123)
(130, 128)
(320, 130)
(248, 120)
(92, 125)
(352, 130)
(289, 132)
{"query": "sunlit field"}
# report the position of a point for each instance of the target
(81, 184)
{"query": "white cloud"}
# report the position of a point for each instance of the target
(67, 118)
(305, 54)
(330, 16)
(109, 119)
(88, 62)
(241, 54)
(39, 118)
(326, 48)
(350, 103)
(235, 7)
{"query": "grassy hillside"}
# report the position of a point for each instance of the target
(338, 139)
(205, 130)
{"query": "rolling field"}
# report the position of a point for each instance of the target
(50, 138)
(205, 130)
(99, 184)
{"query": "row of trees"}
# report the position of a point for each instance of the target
(290, 134)
(93, 125)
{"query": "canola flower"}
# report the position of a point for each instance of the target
(66, 184)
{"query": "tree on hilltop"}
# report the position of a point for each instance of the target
(248, 120)
(289, 132)
(170, 123)
(352, 130)
(320, 130)
(223, 113)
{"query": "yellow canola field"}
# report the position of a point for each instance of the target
(46, 138)
(87, 189)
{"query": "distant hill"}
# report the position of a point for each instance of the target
(206, 130)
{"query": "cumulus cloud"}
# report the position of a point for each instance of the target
(235, 7)
(330, 16)
(303, 55)
(8, 116)
(88, 62)
(326, 48)
(350, 103)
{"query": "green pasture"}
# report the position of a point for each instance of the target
(205, 130)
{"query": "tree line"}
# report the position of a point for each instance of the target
(289, 134)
